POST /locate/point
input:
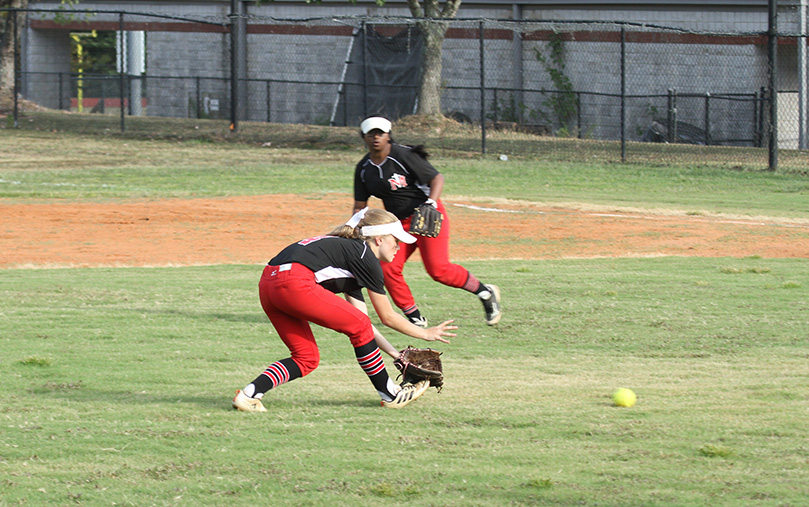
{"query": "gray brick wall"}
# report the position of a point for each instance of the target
(47, 57)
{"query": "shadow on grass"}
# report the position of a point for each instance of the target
(221, 402)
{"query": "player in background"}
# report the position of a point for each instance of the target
(403, 179)
(299, 286)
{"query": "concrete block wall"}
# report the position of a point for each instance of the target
(47, 58)
(313, 58)
(174, 62)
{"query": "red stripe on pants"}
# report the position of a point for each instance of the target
(291, 299)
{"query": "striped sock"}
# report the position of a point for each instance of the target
(473, 284)
(370, 359)
(280, 372)
(412, 312)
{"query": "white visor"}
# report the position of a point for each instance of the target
(393, 228)
(375, 123)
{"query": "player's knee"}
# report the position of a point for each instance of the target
(361, 337)
(439, 274)
(307, 362)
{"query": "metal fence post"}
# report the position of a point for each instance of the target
(234, 68)
(17, 57)
(760, 98)
(198, 97)
(803, 86)
(671, 115)
(707, 118)
(482, 94)
(103, 106)
(516, 56)
(496, 108)
(364, 68)
(623, 94)
(61, 91)
(772, 74)
(269, 103)
(121, 89)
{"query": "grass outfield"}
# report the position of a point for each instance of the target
(36, 166)
(117, 385)
(117, 382)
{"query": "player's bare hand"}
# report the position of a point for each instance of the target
(437, 333)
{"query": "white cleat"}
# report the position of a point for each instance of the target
(246, 404)
(409, 392)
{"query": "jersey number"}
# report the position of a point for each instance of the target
(305, 242)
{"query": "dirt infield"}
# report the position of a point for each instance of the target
(249, 230)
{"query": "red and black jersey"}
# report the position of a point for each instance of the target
(340, 265)
(402, 182)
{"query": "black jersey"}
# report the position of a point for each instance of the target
(402, 182)
(340, 265)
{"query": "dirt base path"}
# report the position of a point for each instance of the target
(249, 230)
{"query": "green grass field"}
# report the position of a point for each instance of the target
(117, 382)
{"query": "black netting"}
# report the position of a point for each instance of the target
(382, 73)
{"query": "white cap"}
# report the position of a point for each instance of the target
(375, 123)
(394, 228)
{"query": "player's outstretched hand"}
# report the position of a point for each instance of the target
(437, 333)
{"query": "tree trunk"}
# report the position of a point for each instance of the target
(8, 51)
(430, 87)
(434, 32)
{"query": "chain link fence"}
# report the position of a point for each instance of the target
(56, 71)
(577, 91)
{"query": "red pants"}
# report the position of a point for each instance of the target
(291, 299)
(434, 254)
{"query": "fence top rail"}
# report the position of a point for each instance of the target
(230, 19)
(618, 24)
(226, 20)
(74, 12)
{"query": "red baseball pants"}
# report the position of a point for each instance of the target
(434, 255)
(291, 299)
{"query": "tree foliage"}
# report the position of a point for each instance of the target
(97, 52)
(562, 102)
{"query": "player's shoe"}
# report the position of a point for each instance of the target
(409, 392)
(246, 404)
(419, 321)
(492, 304)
